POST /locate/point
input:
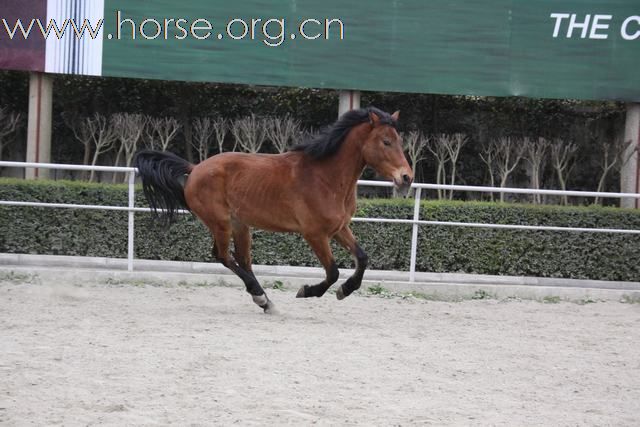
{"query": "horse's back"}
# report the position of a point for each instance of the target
(249, 168)
(256, 189)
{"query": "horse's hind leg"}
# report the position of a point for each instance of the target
(346, 239)
(222, 235)
(320, 245)
(242, 246)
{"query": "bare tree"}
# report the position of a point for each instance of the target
(446, 149)
(414, 144)
(116, 162)
(453, 144)
(128, 129)
(282, 132)
(563, 160)
(536, 156)
(614, 155)
(9, 123)
(103, 136)
(440, 152)
(220, 130)
(159, 132)
(202, 132)
(83, 133)
(249, 133)
(508, 153)
(488, 156)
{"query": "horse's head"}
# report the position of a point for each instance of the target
(382, 150)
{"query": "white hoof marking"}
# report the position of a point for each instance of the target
(260, 299)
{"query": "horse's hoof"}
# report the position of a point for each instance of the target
(270, 308)
(302, 292)
(340, 293)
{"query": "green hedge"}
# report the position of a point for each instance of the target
(440, 249)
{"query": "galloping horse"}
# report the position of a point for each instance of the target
(309, 190)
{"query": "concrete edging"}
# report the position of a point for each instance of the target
(85, 270)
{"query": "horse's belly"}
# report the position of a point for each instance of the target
(266, 217)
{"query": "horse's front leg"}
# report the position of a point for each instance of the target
(346, 239)
(322, 249)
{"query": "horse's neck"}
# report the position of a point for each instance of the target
(346, 166)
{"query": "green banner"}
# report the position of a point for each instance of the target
(585, 49)
(558, 49)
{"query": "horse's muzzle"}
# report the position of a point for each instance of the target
(403, 190)
(403, 185)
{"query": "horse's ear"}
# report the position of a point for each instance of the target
(374, 119)
(396, 116)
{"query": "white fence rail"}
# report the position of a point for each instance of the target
(415, 222)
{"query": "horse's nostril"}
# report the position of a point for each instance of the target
(406, 179)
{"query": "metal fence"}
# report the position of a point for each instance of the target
(415, 222)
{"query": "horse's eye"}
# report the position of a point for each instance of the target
(386, 142)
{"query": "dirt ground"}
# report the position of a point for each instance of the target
(146, 355)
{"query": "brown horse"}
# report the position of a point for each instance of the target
(309, 190)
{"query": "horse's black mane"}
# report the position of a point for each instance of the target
(329, 141)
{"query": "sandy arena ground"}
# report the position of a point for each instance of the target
(144, 355)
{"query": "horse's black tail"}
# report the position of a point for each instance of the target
(163, 175)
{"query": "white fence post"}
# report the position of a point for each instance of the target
(414, 236)
(132, 182)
